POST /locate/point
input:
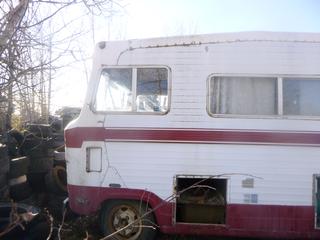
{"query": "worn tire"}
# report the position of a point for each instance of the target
(40, 130)
(116, 214)
(20, 191)
(4, 159)
(59, 156)
(17, 135)
(4, 193)
(17, 180)
(32, 142)
(18, 166)
(37, 181)
(13, 147)
(56, 181)
(40, 165)
(3, 180)
(37, 151)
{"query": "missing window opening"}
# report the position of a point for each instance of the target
(201, 200)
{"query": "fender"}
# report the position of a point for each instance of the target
(87, 200)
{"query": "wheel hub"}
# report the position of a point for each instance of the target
(123, 217)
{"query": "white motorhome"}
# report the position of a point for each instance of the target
(205, 135)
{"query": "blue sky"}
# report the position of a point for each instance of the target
(153, 18)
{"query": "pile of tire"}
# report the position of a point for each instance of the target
(37, 163)
(56, 179)
(4, 169)
(37, 147)
(19, 186)
(47, 169)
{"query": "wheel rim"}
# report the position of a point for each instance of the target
(123, 216)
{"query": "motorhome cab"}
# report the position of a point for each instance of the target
(203, 135)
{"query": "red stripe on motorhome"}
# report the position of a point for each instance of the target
(76, 136)
(242, 220)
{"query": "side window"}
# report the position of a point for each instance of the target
(115, 90)
(152, 90)
(264, 96)
(243, 95)
(301, 97)
(133, 90)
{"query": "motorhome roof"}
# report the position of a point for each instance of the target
(219, 38)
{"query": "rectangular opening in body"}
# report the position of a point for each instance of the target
(200, 200)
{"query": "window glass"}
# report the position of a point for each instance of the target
(133, 90)
(152, 90)
(115, 90)
(243, 95)
(301, 97)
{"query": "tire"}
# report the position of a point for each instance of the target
(56, 181)
(18, 180)
(16, 135)
(32, 145)
(4, 193)
(59, 156)
(116, 214)
(37, 181)
(13, 147)
(3, 179)
(18, 166)
(37, 151)
(20, 191)
(40, 130)
(58, 144)
(61, 148)
(40, 165)
(4, 160)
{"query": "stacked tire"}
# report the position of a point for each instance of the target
(41, 159)
(56, 179)
(4, 169)
(19, 187)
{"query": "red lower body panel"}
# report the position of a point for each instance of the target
(242, 220)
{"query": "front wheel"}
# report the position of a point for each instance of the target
(126, 215)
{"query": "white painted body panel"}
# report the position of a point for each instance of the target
(282, 175)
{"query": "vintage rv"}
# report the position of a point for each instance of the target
(204, 135)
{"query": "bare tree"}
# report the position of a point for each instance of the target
(37, 37)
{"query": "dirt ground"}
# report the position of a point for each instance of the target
(87, 228)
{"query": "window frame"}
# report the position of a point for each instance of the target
(279, 101)
(134, 90)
